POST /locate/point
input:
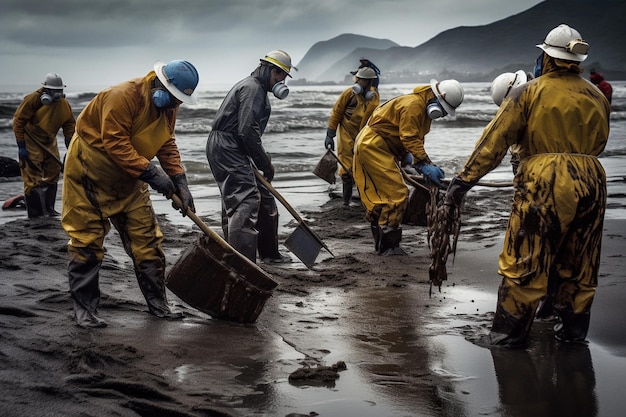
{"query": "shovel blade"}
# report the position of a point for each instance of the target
(304, 245)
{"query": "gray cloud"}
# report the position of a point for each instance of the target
(109, 41)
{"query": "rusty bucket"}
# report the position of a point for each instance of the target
(220, 282)
(326, 168)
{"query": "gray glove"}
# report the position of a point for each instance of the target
(456, 191)
(329, 142)
(158, 180)
(182, 190)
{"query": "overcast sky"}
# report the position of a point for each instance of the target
(103, 42)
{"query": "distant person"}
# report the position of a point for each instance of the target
(35, 124)
(396, 128)
(366, 63)
(559, 201)
(347, 117)
(501, 86)
(108, 168)
(234, 148)
(602, 84)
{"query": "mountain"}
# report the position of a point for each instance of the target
(321, 57)
(479, 53)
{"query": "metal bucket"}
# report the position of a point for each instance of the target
(221, 283)
(326, 168)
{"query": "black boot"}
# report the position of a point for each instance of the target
(389, 239)
(85, 292)
(50, 199)
(572, 327)
(36, 202)
(347, 191)
(151, 279)
(507, 330)
(375, 233)
(244, 242)
(267, 243)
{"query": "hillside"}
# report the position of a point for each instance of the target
(479, 53)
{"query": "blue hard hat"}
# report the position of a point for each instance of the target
(180, 78)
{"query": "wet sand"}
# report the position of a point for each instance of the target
(406, 354)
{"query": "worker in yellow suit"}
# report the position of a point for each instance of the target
(396, 129)
(347, 117)
(36, 122)
(560, 123)
(107, 171)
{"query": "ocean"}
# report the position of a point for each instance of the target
(295, 139)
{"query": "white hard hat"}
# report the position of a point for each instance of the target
(504, 83)
(564, 42)
(281, 59)
(449, 93)
(365, 72)
(54, 82)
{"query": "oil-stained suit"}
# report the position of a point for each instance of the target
(395, 128)
(117, 134)
(348, 116)
(35, 121)
(560, 123)
(249, 211)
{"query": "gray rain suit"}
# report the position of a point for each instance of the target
(249, 212)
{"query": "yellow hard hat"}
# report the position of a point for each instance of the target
(281, 59)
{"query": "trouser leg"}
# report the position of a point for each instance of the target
(267, 226)
(84, 289)
(242, 234)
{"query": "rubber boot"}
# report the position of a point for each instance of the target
(347, 191)
(36, 202)
(151, 279)
(267, 243)
(507, 330)
(572, 327)
(50, 199)
(85, 292)
(375, 233)
(389, 239)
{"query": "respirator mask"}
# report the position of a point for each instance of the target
(50, 96)
(434, 109)
(358, 89)
(280, 90)
(162, 99)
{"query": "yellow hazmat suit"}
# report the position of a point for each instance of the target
(117, 134)
(35, 121)
(395, 128)
(560, 123)
(348, 116)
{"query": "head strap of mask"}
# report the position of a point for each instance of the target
(49, 96)
(434, 110)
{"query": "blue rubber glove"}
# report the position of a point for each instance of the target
(431, 172)
(182, 190)
(329, 142)
(22, 152)
(158, 180)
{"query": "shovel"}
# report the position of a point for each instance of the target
(214, 278)
(302, 242)
(326, 168)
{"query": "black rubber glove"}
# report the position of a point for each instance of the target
(158, 180)
(456, 191)
(269, 173)
(182, 190)
(329, 142)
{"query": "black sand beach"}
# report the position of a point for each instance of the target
(405, 353)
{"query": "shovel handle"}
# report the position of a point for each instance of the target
(290, 209)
